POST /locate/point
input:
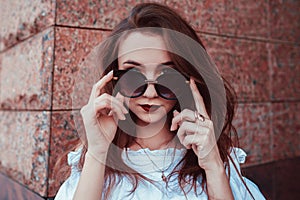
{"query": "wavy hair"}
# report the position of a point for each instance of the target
(160, 16)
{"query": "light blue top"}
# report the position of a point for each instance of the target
(161, 160)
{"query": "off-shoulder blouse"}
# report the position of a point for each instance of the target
(167, 160)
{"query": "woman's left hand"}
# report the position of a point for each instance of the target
(196, 131)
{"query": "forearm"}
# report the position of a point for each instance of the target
(91, 179)
(218, 186)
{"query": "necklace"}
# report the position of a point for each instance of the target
(163, 177)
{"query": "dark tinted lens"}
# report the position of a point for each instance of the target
(131, 84)
(171, 85)
(165, 92)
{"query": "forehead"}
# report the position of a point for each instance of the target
(139, 41)
(143, 48)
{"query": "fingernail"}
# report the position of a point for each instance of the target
(192, 81)
(172, 128)
(123, 117)
(175, 112)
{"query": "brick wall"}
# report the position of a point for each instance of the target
(255, 44)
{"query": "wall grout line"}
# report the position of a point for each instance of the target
(249, 38)
(246, 38)
(83, 27)
(25, 39)
(270, 67)
(51, 102)
(23, 185)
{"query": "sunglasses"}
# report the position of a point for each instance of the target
(170, 84)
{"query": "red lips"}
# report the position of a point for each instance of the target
(150, 108)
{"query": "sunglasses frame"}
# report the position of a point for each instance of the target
(118, 73)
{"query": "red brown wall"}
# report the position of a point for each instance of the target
(255, 44)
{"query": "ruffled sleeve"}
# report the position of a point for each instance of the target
(67, 189)
(238, 188)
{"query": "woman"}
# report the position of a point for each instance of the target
(158, 122)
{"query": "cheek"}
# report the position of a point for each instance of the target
(170, 104)
(126, 102)
(129, 102)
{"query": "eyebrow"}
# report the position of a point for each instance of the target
(131, 62)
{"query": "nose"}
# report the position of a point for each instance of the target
(150, 91)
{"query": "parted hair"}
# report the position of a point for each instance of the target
(156, 15)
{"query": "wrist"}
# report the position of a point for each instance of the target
(216, 174)
(90, 156)
(216, 168)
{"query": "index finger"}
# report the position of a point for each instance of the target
(200, 106)
(101, 83)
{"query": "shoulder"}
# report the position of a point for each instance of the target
(237, 156)
(67, 189)
(74, 157)
(239, 184)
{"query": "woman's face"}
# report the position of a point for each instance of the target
(146, 53)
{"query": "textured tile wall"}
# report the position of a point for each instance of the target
(253, 123)
(284, 20)
(244, 63)
(25, 102)
(255, 44)
(63, 131)
(22, 19)
(26, 73)
(24, 148)
(72, 45)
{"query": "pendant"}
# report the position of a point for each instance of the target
(163, 177)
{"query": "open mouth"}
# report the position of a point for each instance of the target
(149, 108)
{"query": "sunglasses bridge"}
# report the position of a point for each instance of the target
(151, 81)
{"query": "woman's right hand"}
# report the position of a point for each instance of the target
(100, 117)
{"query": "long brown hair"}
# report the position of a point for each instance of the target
(156, 15)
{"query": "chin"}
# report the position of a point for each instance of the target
(150, 119)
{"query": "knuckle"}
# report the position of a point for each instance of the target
(210, 123)
(184, 125)
(210, 126)
(206, 132)
(185, 111)
(180, 131)
(185, 142)
(173, 121)
(106, 102)
(194, 139)
(95, 86)
(176, 118)
(105, 95)
(205, 137)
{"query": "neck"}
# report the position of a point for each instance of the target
(154, 136)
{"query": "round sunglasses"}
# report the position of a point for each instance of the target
(170, 84)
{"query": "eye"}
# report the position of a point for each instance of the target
(168, 71)
(131, 69)
(134, 69)
(127, 68)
